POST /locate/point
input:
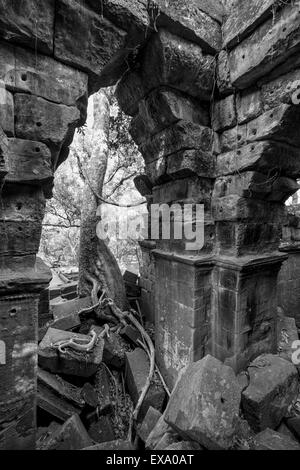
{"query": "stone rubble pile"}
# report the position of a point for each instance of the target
(86, 399)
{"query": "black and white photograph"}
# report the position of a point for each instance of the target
(149, 229)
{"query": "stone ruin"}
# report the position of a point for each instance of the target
(213, 89)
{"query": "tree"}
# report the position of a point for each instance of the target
(60, 240)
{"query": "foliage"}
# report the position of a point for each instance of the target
(60, 237)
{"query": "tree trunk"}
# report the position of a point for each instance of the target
(96, 261)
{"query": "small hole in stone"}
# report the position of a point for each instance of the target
(20, 229)
(252, 147)
(19, 206)
(271, 115)
(222, 400)
(254, 131)
(284, 29)
(24, 77)
(13, 310)
(239, 137)
(39, 124)
(239, 152)
(243, 56)
(37, 149)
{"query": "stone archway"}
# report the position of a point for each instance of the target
(214, 119)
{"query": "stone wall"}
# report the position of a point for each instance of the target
(213, 95)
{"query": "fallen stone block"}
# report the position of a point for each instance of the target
(102, 430)
(61, 388)
(158, 432)
(273, 387)
(69, 361)
(89, 395)
(62, 308)
(44, 434)
(114, 348)
(148, 424)
(54, 405)
(204, 404)
(137, 370)
(286, 431)
(293, 424)
(72, 435)
(167, 439)
(272, 440)
(102, 387)
(184, 445)
(112, 445)
(131, 334)
(68, 323)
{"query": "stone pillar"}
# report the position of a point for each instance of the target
(231, 146)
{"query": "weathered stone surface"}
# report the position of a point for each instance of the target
(60, 388)
(102, 387)
(70, 436)
(102, 430)
(54, 405)
(148, 424)
(68, 307)
(191, 21)
(284, 89)
(272, 440)
(168, 439)
(161, 109)
(279, 124)
(293, 424)
(112, 445)
(190, 162)
(183, 446)
(224, 114)
(260, 156)
(204, 404)
(174, 62)
(287, 333)
(157, 433)
(30, 23)
(28, 162)
(223, 74)
(40, 120)
(18, 274)
(255, 185)
(181, 136)
(283, 429)
(238, 208)
(129, 91)
(21, 220)
(88, 44)
(18, 313)
(69, 362)
(131, 17)
(249, 106)
(272, 389)
(137, 370)
(3, 155)
(245, 16)
(7, 111)
(270, 45)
